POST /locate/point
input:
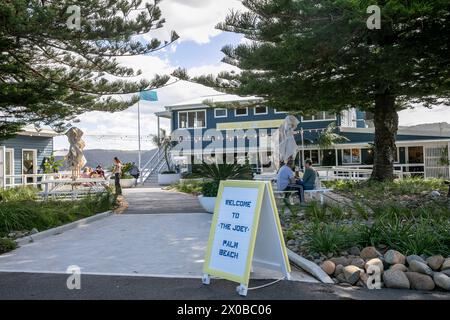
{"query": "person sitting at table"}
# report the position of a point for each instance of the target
(86, 173)
(309, 177)
(286, 180)
(98, 173)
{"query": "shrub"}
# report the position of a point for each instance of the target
(218, 172)
(328, 237)
(189, 186)
(7, 245)
(18, 194)
(210, 189)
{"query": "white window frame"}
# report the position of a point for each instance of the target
(187, 119)
(241, 115)
(262, 113)
(319, 153)
(320, 120)
(13, 169)
(35, 155)
(351, 149)
(278, 112)
(226, 113)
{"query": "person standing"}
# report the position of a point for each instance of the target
(117, 171)
(135, 173)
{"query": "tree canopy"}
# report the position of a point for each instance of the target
(310, 56)
(50, 73)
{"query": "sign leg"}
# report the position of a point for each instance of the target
(206, 279)
(242, 290)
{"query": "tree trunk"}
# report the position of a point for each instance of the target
(386, 127)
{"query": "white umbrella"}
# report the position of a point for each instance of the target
(284, 139)
(75, 157)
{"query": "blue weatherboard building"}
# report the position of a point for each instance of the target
(24, 154)
(421, 153)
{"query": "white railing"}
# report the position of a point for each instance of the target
(154, 165)
(22, 180)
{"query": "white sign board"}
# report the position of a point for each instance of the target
(245, 230)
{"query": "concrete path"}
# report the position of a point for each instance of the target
(161, 245)
(156, 201)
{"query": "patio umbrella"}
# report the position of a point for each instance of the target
(75, 157)
(285, 145)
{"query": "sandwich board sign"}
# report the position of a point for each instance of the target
(245, 232)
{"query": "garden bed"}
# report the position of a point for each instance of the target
(21, 213)
(410, 216)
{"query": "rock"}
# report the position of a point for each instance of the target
(414, 257)
(420, 281)
(340, 277)
(376, 262)
(363, 277)
(351, 274)
(369, 253)
(395, 279)
(446, 264)
(34, 231)
(340, 260)
(291, 242)
(441, 280)
(330, 255)
(399, 266)
(355, 251)
(446, 272)
(338, 270)
(435, 262)
(343, 253)
(417, 266)
(394, 257)
(329, 267)
(359, 262)
(11, 235)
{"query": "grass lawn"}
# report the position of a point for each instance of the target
(411, 216)
(21, 212)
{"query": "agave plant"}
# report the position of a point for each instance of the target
(218, 172)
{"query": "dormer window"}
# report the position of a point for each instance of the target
(240, 112)
(260, 110)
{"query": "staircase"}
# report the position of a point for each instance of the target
(150, 170)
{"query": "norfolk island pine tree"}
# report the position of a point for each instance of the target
(50, 73)
(308, 56)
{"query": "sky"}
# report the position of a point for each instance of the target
(198, 50)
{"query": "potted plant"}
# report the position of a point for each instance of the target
(209, 195)
(216, 173)
(126, 180)
(169, 176)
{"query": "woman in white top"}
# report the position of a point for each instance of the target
(117, 171)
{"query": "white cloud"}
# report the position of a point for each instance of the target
(419, 115)
(194, 20)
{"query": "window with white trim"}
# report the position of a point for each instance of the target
(278, 111)
(220, 113)
(351, 156)
(320, 116)
(313, 155)
(240, 112)
(260, 110)
(192, 119)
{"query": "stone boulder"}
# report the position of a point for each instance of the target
(420, 281)
(446, 264)
(359, 262)
(369, 253)
(395, 279)
(399, 266)
(394, 257)
(338, 270)
(420, 267)
(329, 267)
(376, 262)
(351, 274)
(340, 260)
(441, 280)
(435, 262)
(414, 257)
